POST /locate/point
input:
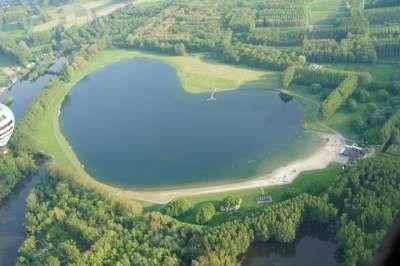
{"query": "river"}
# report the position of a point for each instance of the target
(13, 207)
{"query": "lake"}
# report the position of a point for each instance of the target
(131, 124)
(313, 246)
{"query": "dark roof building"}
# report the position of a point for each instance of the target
(353, 152)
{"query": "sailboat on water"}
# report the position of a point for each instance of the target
(212, 97)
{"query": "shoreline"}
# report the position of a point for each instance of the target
(319, 159)
(55, 144)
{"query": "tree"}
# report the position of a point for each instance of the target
(205, 213)
(177, 207)
(383, 95)
(231, 203)
(358, 124)
(362, 95)
(24, 54)
(180, 49)
(287, 76)
(65, 73)
(315, 88)
(352, 105)
(338, 96)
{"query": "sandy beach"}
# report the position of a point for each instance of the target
(327, 153)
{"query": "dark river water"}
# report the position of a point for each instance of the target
(12, 216)
(313, 246)
(132, 124)
(24, 91)
(13, 208)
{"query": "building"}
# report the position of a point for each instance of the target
(263, 198)
(315, 66)
(353, 152)
(7, 123)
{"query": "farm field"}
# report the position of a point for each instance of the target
(325, 12)
(76, 14)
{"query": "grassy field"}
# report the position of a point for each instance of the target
(379, 71)
(76, 11)
(3, 79)
(324, 12)
(313, 182)
(343, 119)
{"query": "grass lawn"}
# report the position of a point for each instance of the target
(41, 121)
(77, 9)
(313, 182)
(324, 12)
(3, 79)
(311, 102)
(379, 71)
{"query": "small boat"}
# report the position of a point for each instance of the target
(212, 98)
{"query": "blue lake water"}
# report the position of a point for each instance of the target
(131, 124)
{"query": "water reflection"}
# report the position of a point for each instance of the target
(314, 245)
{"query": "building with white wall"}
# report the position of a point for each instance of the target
(7, 124)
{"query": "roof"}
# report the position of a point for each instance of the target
(264, 198)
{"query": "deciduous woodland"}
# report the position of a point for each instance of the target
(341, 60)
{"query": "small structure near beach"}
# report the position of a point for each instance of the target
(353, 152)
(263, 198)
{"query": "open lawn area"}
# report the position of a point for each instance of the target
(312, 182)
(324, 12)
(379, 71)
(75, 13)
(3, 79)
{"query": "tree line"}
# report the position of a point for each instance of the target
(368, 199)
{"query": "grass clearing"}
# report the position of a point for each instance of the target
(379, 71)
(3, 79)
(76, 13)
(312, 182)
(324, 12)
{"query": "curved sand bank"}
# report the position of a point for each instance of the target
(319, 159)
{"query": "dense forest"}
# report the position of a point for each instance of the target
(68, 223)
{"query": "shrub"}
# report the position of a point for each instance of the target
(231, 203)
(177, 207)
(383, 95)
(352, 105)
(362, 95)
(371, 107)
(205, 213)
(315, 88)
(358, 124)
